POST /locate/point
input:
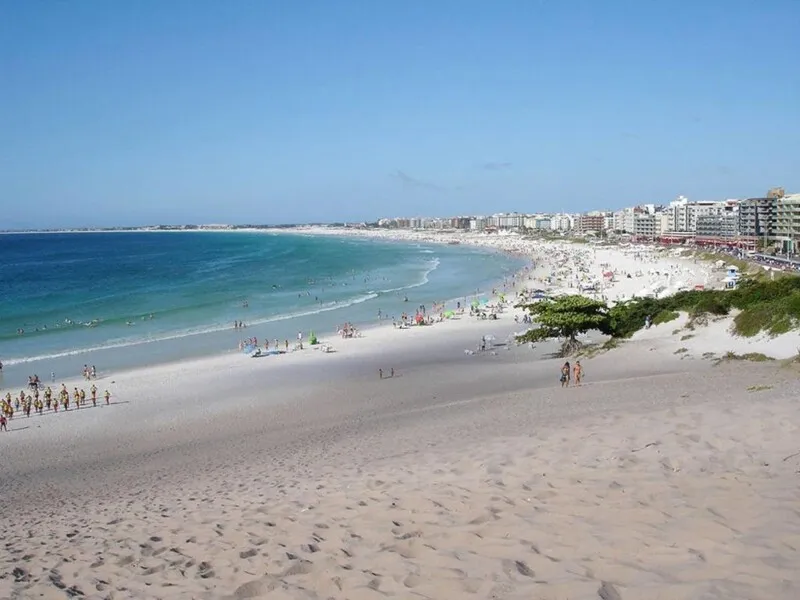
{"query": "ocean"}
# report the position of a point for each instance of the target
(130, 299)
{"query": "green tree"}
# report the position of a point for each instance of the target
(565, 317)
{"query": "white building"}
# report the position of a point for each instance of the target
(507, 220)
(562, 222)
(478, 223)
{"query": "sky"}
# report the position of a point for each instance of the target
(192, 111)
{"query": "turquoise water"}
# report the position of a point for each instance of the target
(120, 300)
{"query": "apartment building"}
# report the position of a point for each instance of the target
(590, 222)
(787, 223)
(725, 225)
(622, 220)
(507, 221)
(562, 222)
(757, 217)
(682, 215)
(478, 223)
(645, 225)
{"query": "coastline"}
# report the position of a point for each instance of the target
(467, 473)
(173, 347)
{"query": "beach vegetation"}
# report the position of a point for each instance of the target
(761, 306)
(759, 388)
(565, 318)
(758, 306)
(749, 356)
(665, 316)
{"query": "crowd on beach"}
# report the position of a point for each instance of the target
(36, 400)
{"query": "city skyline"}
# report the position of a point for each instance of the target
(119, 114)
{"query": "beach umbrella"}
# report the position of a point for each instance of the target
(449, 314)
(475, 303)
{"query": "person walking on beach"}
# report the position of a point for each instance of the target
(3, 423)
(94, 394)
(565, 375)
(577, 372)
(107, 397)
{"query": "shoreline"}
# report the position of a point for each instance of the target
(316, 319)
(468, 474)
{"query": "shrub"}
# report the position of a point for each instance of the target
(665, 316)
(712, 304)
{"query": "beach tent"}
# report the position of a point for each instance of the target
(419, 319)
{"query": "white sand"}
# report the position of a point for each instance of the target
(464, 476)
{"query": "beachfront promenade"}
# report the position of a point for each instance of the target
(466, 475)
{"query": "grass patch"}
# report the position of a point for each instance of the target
(676, 331)
(759, 388)
(707, 355)
(681, 351)
(688, 336)
(750, 356)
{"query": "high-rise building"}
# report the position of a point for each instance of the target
(787, 223)
(724, 225)
(645, 225)
(591, 223)
(757, 217)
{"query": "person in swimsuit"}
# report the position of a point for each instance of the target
(577, 372)
(3, 423)
(108, 397)
(93, 389)
(565, 375)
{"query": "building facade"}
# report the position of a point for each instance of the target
(590, 222)
(724, 225)
(757, 217)
(787, 223)
(645, 225)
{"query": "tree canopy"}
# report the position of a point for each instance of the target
(566, 317)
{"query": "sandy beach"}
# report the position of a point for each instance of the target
(468, 474)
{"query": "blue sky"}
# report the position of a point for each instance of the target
(254, 111)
